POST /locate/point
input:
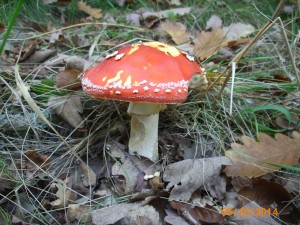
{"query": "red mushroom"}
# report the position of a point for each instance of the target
(148, 75)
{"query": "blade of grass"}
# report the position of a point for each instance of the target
(293, 168)
(11, 24)
(260, 127)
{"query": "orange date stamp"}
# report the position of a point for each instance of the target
(247, 212)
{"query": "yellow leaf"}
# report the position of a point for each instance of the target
(248, 160)
(96, 13)
(209, 43)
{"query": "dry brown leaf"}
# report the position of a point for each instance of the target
(68, 107)
(96, 13)
(279, 150)
(176, 30)
(266, 194)
(68, 79)
(238, 30)
(37, 160)
(188, 175)
(89, 176)
(209, 43)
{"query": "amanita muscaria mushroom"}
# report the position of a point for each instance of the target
(148, 75)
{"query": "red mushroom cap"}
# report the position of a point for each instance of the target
(147, 72)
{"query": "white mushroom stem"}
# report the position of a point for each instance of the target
(144, 129)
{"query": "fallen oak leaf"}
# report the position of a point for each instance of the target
(254, 159)
(68, 107)
(188, 175)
